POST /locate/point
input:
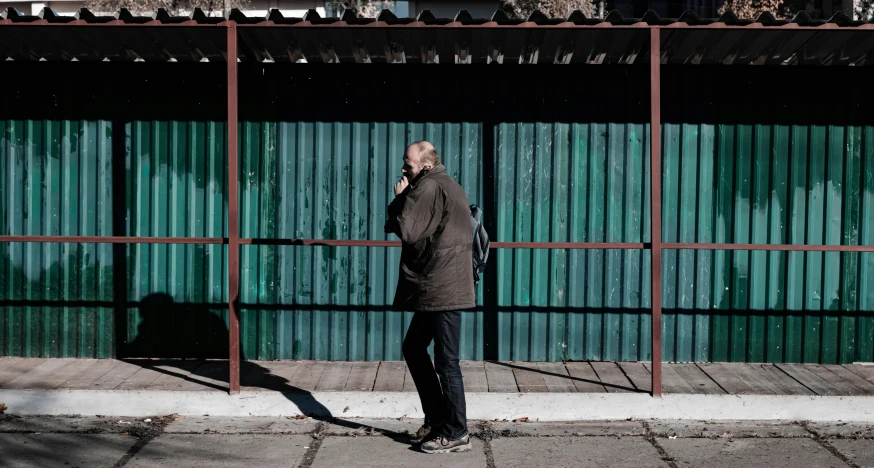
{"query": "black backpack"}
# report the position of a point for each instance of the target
(480, 243)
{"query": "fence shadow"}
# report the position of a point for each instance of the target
(182, 331)
(167, 329)
(215, 375)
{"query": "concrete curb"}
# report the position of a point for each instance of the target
(485, 406)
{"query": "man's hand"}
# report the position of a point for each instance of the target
(401, 185)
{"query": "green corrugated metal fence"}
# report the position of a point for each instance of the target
(769, 184)
(58, 180)
(572, 183)
(332, 181)
(175, 186)
(586, 181)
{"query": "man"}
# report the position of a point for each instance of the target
(431, 215)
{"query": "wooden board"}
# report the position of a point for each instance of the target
(786, 384)
(308, 375)
(42, 376)
(173, 373)
(808, 379)
(19, 368)
(866, 372)
(639, 375)
(144, 377)
(362, 377)
(724, 375)
(474, 375)
(842, 372)
(758, 383)
(95, 371)
(556, 377)
(270, 375)
(73, 369)
(673, 382)
(612, 377)
(843, 386)
(500, 378)
(528, 378)
(116, 376)
(696, 378)
(334, 377)
(208, 377)
(584, 378)
(6, 362)
(409, 384)
(390, 377)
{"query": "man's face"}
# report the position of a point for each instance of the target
(412, 164)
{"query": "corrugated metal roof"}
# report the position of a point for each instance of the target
(426, 39)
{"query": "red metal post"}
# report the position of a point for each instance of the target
(655, 61)
(233, 225)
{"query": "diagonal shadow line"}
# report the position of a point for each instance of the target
(287, 390)
(605, 384)
(177, 374)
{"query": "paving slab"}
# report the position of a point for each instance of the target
(10, 423)
(231, 425)
(860, 452)
(573, 428)
(718, 453)
(66, 450)
(526, 452)
(844, 430)
(726, 429)
(190, 450)
(383, 452)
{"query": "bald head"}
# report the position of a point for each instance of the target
(427, 154)
(418, 156)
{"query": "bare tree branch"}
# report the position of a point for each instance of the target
(784, 9)
(173, 7)
(864, 9)
(362, 8)
(551, 8)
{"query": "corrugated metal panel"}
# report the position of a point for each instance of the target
(58, 180)
(578, 183)
(552, 181)
(769, 184)
(176, 178)
(388, 39)
(333, 181)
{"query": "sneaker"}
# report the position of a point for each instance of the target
(443, 445)
(421, 434)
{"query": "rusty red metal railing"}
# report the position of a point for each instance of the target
(234, 241)
(233, 219)
(494, 245)
(655, 141)
(117, 239)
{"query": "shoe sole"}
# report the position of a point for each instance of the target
(462, 448)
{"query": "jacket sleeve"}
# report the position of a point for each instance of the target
(394, 210)
(419, 214)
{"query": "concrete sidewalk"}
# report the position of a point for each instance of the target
(216, 442)
(495, 390)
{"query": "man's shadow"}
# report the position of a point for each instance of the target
(191, 341)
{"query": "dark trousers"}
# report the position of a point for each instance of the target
(443, 398)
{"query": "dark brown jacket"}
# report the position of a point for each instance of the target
(432, 218)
